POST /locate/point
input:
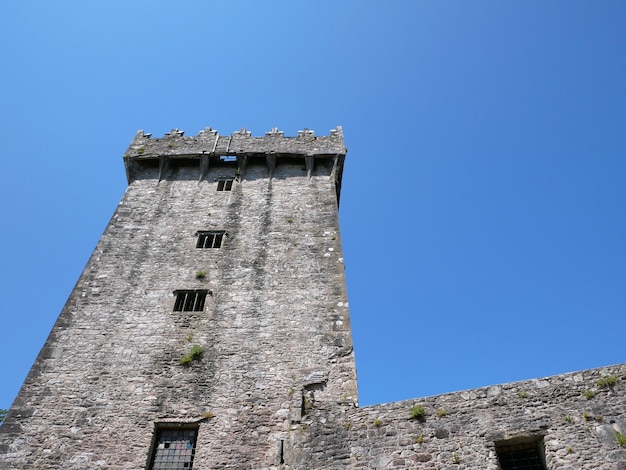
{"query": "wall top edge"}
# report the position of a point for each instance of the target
(576, 382)
(208, 141)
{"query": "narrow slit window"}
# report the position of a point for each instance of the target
(173, 448)
(210, 238)
(225, 184)
(190, 300)
(522, 456)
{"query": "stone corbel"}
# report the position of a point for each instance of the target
(242, 160)
(164, 164)
(309, 161)
(204, 165)
(337, 164)
(270, 160)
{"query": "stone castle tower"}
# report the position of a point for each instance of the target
(210, 329)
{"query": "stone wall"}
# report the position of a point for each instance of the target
(275, 329)
(274, 385)
(576, 417)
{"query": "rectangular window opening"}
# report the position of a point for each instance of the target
(173, 448)
(210, 238)
(521, 455)
(225, 184)
(190, 300)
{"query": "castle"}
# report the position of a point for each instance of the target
(210, 330)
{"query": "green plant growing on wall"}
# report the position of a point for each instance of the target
(417, 412)
(456, 459)
(141, 150)
(289, 220)
(419, 439)
(569, 419)
(589, 394)
(620, 439)
(208, 415)
(570, 450)
(3, 413)
(606, 382)
(377, 422)
(587, 416)
(441, 413)
(347, 425)
(194, 354)
(522, 394)
(200, 275)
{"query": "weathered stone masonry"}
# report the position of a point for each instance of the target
(460, 430)
(269, 379)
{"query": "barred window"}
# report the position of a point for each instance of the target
(522, 456)
(225, 184)
(190, 300)
(174, 448)
(210, 238)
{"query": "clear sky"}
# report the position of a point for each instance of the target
(483, 210)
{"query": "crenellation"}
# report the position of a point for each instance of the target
(205, 149)
(208, 141)
(276, 133)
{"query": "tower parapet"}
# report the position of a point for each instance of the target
(208, 146)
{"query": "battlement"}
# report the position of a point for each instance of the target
(209, 146)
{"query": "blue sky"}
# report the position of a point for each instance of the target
(483, 208)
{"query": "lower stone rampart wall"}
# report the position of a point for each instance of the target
(578, 416)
